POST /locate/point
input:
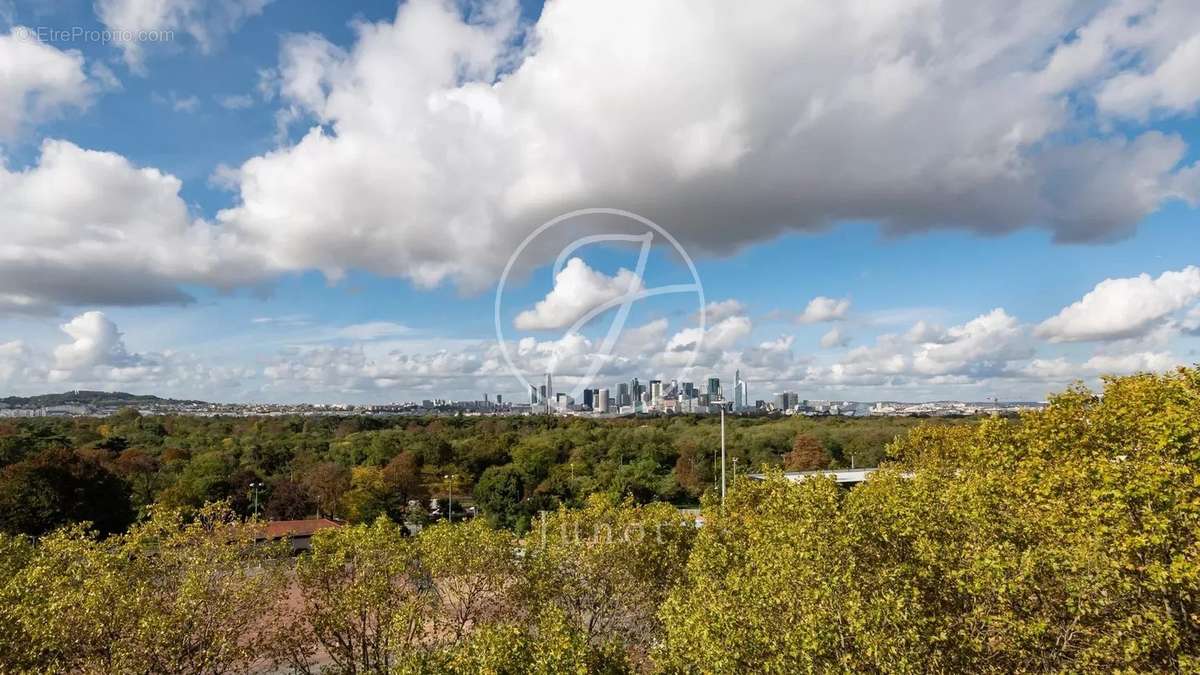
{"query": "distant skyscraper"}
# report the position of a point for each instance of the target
(549, 395)
(740, 397)
(602, 401)
(623, 394)
(656, 392)
(689, 390)
(587, 399)
(714, 388)
(533, 399)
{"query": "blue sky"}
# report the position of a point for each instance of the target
(312, 201)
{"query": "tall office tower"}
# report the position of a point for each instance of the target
(689, 390)
(499, 400)
(744, 390)
(781, 401)
(793, 399)
(595, 398)
(622, 394)
(542, 395)
(737, 390)
(532, 395)
(656, 392)
(714, 388)
(563, 402)
(673, 390)
(588, 400)
(550, 397)
(602, 400)
(635, 393)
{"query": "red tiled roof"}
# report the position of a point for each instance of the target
(277, 529)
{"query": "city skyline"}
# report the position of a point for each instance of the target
(312, 202)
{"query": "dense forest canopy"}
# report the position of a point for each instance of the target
(55, 471)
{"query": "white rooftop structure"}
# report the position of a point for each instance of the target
(842, 476)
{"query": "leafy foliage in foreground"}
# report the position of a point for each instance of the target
(1067, 541)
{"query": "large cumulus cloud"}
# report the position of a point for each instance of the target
(441, 139)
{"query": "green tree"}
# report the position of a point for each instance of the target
(498, 494)
(1067, 540)
(807, 454)
(473, 570)
(169, 596)
(57, 487)
(607, 568)
(364, 600)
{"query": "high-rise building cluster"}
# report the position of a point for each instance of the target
(651, 396)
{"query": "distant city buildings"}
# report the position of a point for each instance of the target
(633, 397)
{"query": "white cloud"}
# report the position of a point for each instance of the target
(15, 360)
(288, 320)
(987, 346)
(327, 368)
(771, 359)
(716, 311)
(1059, 369)
(720, 335)
(821, 309)
(834, 338)
(924, 332)
(578, 289)
(439, 145)
(708, 347)
(645, 339)
(207, 22)
(1191, 322)
(1124, 308)
(176, 102)
(97, 342)
(1124, 364)
(83, 227)
(38, 82)
(436, 142)
(96, 357)
(235, 101)
(373, 330)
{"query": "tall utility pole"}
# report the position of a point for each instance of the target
(722, 404)
(450, 499)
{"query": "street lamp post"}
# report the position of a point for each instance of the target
(735, 471)
(450, 499)
(255, 487)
